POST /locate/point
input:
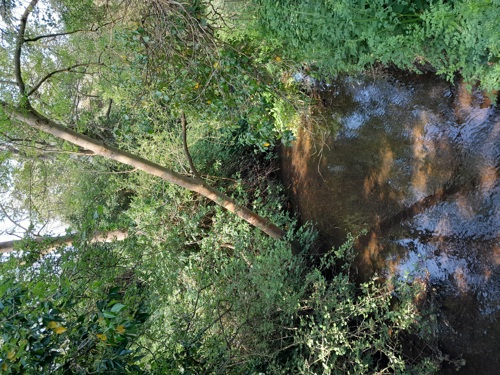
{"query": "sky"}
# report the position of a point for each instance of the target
(54, 227)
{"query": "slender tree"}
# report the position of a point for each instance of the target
(25, 113)
(54, 242)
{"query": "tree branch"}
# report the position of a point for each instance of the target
(10, 219)
(68, 69)
(108, 111)
(23, 142)
(186, 149)
(101, 172)
(44, 151)
(67, 240)
(28, 40)
(55, 35)
(7, 82)
(37, 121)
(19, 45)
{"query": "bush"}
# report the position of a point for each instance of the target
(241, 303)
(52, 322)
(351, 36)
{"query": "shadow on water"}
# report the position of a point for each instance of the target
(416, 164)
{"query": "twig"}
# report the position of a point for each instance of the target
(23, 142)
(10, 219)
(68, 69)
(16, 151)
(108, 112)
(186, 149)
(54, 35)
(28, 40)
(8, 82)
(107, 172)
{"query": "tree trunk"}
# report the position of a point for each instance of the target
(54, 242)
(35, 120)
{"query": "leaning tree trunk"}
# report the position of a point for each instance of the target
(55, 242)
(35, 120)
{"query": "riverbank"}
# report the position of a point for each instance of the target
(413, 161)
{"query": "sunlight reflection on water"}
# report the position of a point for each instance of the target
(417, 164)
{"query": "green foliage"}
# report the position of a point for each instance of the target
(48, 328)
(344, 328)
(351, 35)
(226, 298)
(226, 92)
(230, 300)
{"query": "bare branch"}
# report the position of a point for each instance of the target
(48, 151)
(14, 140)
(19, 45)
(186, 149)
(109, 172)
(7, 82)
(108, 111)
(6, 147)
(2, 208)
(23, 142)
(67, 240)
(55, 35)
(68, 69)
(28, 40)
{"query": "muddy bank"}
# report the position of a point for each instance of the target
(415, 163)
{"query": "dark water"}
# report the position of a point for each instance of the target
(416, 163)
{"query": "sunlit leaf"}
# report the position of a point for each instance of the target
(59, 330)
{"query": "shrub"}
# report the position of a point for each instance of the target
(351, 36)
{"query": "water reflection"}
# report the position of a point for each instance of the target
(416, 164)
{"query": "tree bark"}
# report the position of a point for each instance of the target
(54, 242)
(35, 120)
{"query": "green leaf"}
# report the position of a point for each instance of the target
(108, 315)
(117, 307)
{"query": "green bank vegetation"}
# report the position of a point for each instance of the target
(451, 38)
(197, 92)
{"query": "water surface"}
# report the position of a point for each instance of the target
(415, 162)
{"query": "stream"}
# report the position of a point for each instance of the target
(414, 162)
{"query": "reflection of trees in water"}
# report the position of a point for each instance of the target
(423, 176)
